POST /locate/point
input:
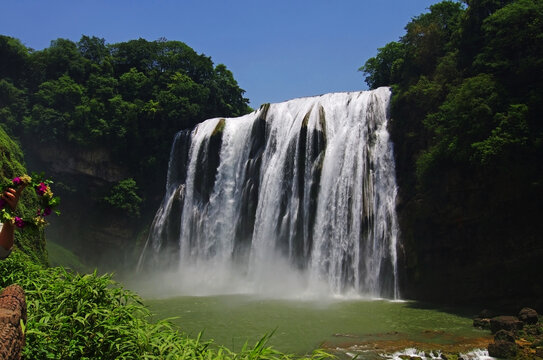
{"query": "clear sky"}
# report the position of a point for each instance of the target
(277, 49)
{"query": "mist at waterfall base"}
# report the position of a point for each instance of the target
(295, 200)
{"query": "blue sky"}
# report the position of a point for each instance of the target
(277, 49)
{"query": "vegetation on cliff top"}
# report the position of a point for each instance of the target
(471, 79)
(130, 98)
(99, 119)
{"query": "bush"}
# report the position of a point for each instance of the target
(124, 197)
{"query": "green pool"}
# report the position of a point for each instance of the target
(345, 326)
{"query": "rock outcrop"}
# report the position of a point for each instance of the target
(12, 313)
(482, 321)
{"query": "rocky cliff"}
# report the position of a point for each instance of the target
(469, 237)
(99, 234)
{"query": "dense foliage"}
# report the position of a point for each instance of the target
(129, 97)
(72, 316)
(467, 80)
(124, 197)
(30, 240)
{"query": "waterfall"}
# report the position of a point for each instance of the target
(296, 194)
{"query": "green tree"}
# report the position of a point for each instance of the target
(513, 45)
(53, 111)
(13, 105)
(93, 48)
(14, 57)
(128, 98)
(124, 196)
(385, 68)
(134, 85)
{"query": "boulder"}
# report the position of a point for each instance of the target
(504, 335)
(528, 316)
(510, 323)
(409, 357)
(502, 349)
(482, 323)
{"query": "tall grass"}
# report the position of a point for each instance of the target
(73, 316)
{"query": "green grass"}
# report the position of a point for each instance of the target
(60, 256)
(88, 316)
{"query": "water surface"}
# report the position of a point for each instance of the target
(301, 326)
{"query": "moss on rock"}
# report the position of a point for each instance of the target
(219, 128)
(30, 241)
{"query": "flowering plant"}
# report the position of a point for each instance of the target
(47, 202)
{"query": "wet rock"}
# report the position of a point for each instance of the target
(482, 323)
(528, 316)
(510, 323)
(502, 349)
(408, 357)
(504, 335)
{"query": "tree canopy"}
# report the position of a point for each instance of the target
(130, 97)
(467, 80)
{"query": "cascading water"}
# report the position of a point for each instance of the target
(297, 194)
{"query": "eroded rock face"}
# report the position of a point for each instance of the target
(94, 231)
(12, 311)
(95, 163)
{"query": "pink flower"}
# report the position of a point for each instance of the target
(41, 189)
(17, 181)
(19, 222)
(47, 211)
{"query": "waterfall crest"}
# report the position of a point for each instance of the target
(296, 194)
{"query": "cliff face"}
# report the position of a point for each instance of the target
(95, 163)
(470, 237)
(96, 232)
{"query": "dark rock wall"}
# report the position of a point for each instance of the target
(469, 237)
(98, 234)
